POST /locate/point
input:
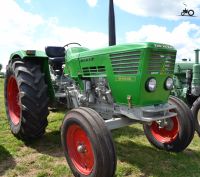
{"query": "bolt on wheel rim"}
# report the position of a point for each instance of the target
(13, 100)
(80, 149)
(165, 135)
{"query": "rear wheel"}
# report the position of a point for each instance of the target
(177, 132)
(87, 144)
(26, 99)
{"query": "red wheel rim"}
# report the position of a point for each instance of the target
(13, 100)
(165, 135)
(80, 149)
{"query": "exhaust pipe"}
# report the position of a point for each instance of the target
(111, 21)
(197, 56)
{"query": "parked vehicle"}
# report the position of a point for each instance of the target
(187, 85)
(103, 89)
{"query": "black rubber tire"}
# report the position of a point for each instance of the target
(100, 138)
(195, 109)
(191, 12)
(33, 99)
(188, 114)
(185, 132)
(109, 140)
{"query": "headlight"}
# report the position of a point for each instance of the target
(169, 83)
(151, 84)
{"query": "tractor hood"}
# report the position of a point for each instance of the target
(75, 52)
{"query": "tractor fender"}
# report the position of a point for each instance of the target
(43, 59)
(24, 54)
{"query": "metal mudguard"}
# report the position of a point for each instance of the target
(22, 54)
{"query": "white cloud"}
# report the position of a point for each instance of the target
(163, 9)
(185, 37)
(27, 1)
(92, 3)
(25, 30)
(58, 35)
(17, 27)
(166, 9)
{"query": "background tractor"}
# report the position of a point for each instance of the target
(187, 85)
(1, 73)
(103, 89)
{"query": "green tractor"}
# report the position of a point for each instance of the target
(187, 85)
(103, 89)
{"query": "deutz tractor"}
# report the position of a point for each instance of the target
(187, 85)
(103, 89)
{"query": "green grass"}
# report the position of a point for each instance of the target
(136, 157)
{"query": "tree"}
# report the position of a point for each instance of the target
(0, 67)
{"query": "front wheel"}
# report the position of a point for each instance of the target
(87, 144)
(176, 133)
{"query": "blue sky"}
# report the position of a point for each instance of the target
(33, 24)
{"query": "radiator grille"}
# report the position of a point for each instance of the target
(99, 70)
(125, 62)
(162, 62)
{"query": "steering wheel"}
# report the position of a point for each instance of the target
(71, 43)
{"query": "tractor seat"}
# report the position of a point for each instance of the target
(56, 54)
